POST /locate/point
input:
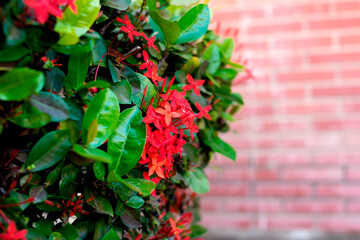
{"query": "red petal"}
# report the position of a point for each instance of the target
(187, 87)
(199, 83)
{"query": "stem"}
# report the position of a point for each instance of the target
(97, 69)
(143, 5)
(29, 200)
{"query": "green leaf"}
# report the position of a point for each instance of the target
(100, 203)
(77, 70)
(150, 90)
(142, 186)
(227, 48)
(99, 51)
(123, 91)
(20, 83)
(85, 45)
(218, 145)
(54, 79)
(197, 180)
(38, 193)
(94, 154)
(84, 228)
(45, 226)
(120, 208)
(76, 111)
(117, 4)
(13, 53)
(111, 235)
(183, 2)
(168, 31)
(92, 132)
(104, 107)
(69, 232)
(73, 128)
(194, 23)
(53, 176)
(67, 188)
(127, 143)
(197, 230)
(116, 74)
(70, 172)
(34, 234)
(72, 25)
(227, 74)
(51, 104)
(14, 35)
(97, 84)
(101, 228)
(212, 55)
(133, 79)
(49, 150)
(99, 171)
(30, 117)
(135, 202)
(56, 236)
(131, 218)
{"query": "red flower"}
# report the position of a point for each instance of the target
(48, 62)
(147, 64)
(203, 111)
(157, 167)
(128, 28)
(150, 41)
(152, 74)
(168, 113)
(175, 231)
(12, 233)
(193, 85)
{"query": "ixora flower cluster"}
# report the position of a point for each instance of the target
(114, 112)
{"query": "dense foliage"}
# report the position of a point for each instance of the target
(109, 112)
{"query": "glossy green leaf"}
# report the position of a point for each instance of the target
(117, 4)
(53, 176)
(183, 2)
(227, 74)
(38, 193)
(92, 131)
(227, 47)
(56, 236)
(99, 52)
(77, 70)
(13, 53)
(150, 91)
(104, 107)
(67, 188)
(84, 228)
(123, 91)
(14, 35)
(119, 188)
(70, 172)
(76, 111)
(30, 179)
(99, 171)
(168, 31)
(197, 180)
(73, 128)
(111, 235)
(34, 234)
(54, 79)
(132, 78)
(101, 228)
(120, 208)
(92, 153)
(85, 45)
(72, 25)
(135, 202)
(20, 83)
(218, 145)
(127, 143)
(30, 117)
(116, 74)
(142, 186)
(194, 23)
(49, 150)
(97, 84)
(212, 55)
(69, 232)
(100, 203)
(197, 230)
(45, 226)
(51, 104)
(131, 218)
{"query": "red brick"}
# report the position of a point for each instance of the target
(336, 91)
(351, 74)
(337, 157)
(234, 14)
(312, 206)
(274, 28)
(278, 94)
(283, 190)
(352, 107)
(353, 207)
(311, 174)
(224, 221)
(217, 189)
(334, 23)
(353, 174)
(278, 61)
(336, 124)
(210, 204)
(311, 109)
(349, 40)
(305, 76)
(283, 160)
(286, 223)
(238, 174)
(257, 111)
(340, 224)
(353, 5)
(338, 190)
(304, 43)
(280, 9)
(251, 45)
(252, 205)
(335, 57)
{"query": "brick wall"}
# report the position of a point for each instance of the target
(298, 136)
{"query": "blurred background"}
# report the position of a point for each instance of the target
(298, 135)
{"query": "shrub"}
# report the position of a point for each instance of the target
(109, 114)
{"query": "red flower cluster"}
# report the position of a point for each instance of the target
(177, 229)
(12, 233)
(166, 124)
(44, 8)
(72, 206)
